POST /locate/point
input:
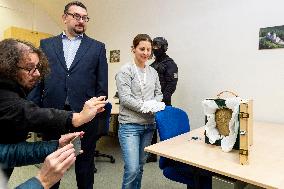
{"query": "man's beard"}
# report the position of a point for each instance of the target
(79, 32)
(27, 88)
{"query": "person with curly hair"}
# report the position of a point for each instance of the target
(21, 66)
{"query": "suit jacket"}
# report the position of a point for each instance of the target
(86, 78)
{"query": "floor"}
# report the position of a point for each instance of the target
(109, 175)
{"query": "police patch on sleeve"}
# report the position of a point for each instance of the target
(175, 75)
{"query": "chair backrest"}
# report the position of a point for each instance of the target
(171, 122)
(103, 120)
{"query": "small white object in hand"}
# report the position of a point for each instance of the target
(152, 106)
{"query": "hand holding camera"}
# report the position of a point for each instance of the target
(91, 108)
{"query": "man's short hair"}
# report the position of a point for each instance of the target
(76, 3)
(13, 51)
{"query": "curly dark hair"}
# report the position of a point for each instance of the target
(13, 51)
(76, 3)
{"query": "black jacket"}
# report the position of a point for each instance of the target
(168, 75)
(19, 116)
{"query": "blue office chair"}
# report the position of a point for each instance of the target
(103, 122)
(172, 122)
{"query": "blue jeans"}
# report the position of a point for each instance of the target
(133, 138)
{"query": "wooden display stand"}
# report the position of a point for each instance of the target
(245, 135)
(246, 131)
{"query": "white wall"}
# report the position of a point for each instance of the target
(22, 13)
(214, 43)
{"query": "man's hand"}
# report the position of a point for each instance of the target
(55, 165)
(91, 108)
(66, 139)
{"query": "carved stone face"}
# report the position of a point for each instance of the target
(222, 119)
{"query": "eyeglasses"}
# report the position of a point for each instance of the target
(31, 71)
(78, 17)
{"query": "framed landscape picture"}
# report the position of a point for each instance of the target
(271, 37)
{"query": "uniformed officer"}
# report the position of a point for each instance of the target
(168, 75)
(166, 68)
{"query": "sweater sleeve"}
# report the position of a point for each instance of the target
(126, 97)
(157, 92)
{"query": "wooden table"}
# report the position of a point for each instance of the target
(266, 163)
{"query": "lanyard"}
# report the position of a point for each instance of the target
(142, 83)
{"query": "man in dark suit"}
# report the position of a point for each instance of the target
(78, 72)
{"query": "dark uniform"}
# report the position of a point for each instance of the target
(168, 75)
